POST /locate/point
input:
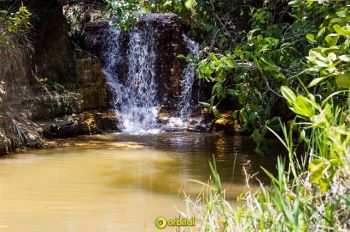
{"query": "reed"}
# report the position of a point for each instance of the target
(308, 194)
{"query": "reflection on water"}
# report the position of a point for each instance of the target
(117, 182)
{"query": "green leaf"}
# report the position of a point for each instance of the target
(311, 38)
(303, 107)
(216, 112)
(316, 168)
(189, 4)
(324, 185)
(167, 3)
(270, 65)
(213, 57)
(341, 30)
(288, 94)
(230, 63)
(205, 104)
(343, 80)
(220, 75)
(332, 39)
(316, 81)
(232, 92)
(243, 116)
(217, 88)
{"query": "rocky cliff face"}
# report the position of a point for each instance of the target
(49, 87)
(55, 87)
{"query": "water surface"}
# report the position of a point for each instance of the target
(118, 182)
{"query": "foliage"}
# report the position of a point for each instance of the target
(250, 51)
(312, 192)
(315, 199)
(13, 24)
(330, 60)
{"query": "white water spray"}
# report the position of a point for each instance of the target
(135, 99)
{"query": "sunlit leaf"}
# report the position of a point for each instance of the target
(341, 30)
(343, 80)
(288, 94)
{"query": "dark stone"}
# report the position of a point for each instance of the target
(78, 124)
(169, 44)
(53, 49)
(93, 38)
(200, 128)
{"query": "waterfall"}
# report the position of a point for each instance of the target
(111, 58)
(139, 110)
(134, 94)
(188, 80)
(135, 99)
(186, 102)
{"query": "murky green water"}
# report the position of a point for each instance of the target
(117, 182)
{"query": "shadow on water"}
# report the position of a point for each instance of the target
(193, 151)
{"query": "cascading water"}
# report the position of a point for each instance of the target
(139, 110)
(135, 96)
(135, 100)
(188, 80)
(111, 58)
(186, 99)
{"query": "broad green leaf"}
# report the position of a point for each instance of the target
(181, 57)
(270, 65)
(316, 81)
(343, 80)
(213, 57)
(235, 114)
(332, 39)
(311, 38)
(341, 30)
(317, 55)
(230, 63)
(342, 13)
(303, 107)
(324, 184)
(243, 116)
(316, 168)
(288, 94)
(220, 75)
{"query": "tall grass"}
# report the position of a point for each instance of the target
(308, 194)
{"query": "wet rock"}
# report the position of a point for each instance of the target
(226, 123)
(53, 49)
(200, 128)
(78, 124)
(93, 38)
(169, 44)
(90, 81)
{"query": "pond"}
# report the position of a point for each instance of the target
(119, 182)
